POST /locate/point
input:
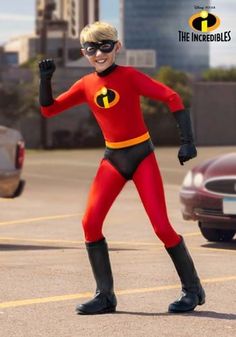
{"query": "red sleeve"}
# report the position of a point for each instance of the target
(146, 86)
(74, 96)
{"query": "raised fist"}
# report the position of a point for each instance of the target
(47, 68)
(187, 152)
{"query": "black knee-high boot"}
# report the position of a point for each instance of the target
(104, 300)
(192, 292)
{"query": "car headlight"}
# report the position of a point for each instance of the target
(188, 179)
(198, 179)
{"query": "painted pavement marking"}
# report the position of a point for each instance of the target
(33, 301)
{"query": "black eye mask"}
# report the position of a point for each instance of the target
(105, 46)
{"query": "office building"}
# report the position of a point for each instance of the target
(155, 25)
(77, 13)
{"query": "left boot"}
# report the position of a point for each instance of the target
(104, 300)
(192, 292)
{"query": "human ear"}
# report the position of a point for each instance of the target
(82, 52)
(118, 47)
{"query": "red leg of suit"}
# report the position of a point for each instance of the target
(104, 190)
(148, 181)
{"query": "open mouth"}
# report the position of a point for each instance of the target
(101, 61)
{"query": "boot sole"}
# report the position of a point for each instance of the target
(201, 302)
(104, 311)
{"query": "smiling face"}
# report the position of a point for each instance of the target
(99, 41)
(101, 55)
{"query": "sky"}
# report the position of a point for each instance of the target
(17, 18)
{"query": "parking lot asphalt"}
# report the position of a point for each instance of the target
(44, 269)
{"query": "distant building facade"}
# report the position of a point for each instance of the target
(77, 13)
(155, 25)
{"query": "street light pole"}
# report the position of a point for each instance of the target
(49, 7)
(43, 52)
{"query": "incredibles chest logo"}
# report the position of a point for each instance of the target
(106, 98)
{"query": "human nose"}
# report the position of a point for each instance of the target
(98, 52)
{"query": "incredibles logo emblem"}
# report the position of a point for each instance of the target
(106, 98)
(204, 22)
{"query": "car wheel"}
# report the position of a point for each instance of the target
(215, 234)
(19, 189)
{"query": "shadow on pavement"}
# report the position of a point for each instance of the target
(209, 314)
(221, 245)
(124, 249)
(10, 247)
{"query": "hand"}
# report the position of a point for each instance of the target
(47, 68)
(186, 152)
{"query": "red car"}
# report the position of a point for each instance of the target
(208, 195)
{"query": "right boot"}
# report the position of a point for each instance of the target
(104, 300)
(193, 293)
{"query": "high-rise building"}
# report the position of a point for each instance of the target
(155, 25)
(77, 13)
(45, 9)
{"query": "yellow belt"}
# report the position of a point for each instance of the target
(129, 142)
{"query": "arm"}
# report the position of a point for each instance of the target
(50, 106)
(146, 86)
(46, 70)
(187, 149)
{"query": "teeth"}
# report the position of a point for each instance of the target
(101, 61)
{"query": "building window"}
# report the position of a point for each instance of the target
(141, 58)
(60, 52)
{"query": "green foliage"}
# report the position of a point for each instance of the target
(21, 100)
(29, 103)
(220, 75)
(177, 80)
(10, 99)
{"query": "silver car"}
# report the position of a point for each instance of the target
(12, 150)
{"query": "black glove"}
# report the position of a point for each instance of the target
(46, 70)
(187, 149)
(186, 152)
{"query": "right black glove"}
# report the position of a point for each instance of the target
(46, 70)
(186, 152)
(187, 149)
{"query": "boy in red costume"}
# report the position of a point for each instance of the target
(112, 93)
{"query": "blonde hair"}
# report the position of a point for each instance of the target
(98, 31)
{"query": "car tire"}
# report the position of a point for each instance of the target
(20, 189)
(215, 234)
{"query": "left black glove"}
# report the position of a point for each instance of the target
(46, 69)
(187, 149)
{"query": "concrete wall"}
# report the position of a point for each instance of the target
(214, 113)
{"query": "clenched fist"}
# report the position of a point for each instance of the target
(187, 152)
(47, 68)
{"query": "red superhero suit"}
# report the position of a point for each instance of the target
(115, 101)
(113, 95)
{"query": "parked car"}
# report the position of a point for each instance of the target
(208, 195)
(12, 150)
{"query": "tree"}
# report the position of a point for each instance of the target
(160, 121)
(177, 80)
(220, 75)
(29, 103)
(20, 99)
(9, 103)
